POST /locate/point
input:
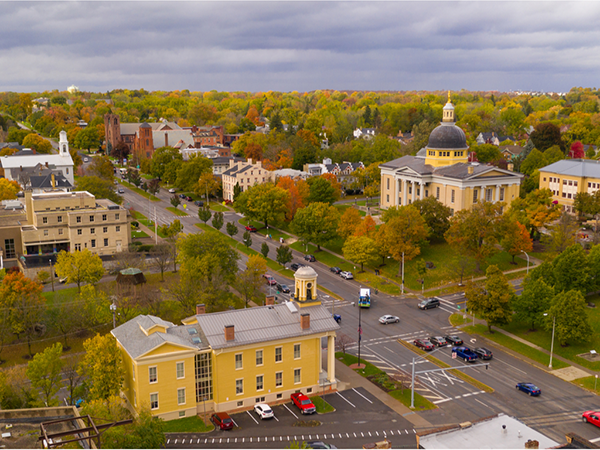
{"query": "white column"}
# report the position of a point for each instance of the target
(414, 185)
(483, 192)
(421, 188)
(396, 192)
(321, 356)
(331, 359)
(404, 192)
(497, 193)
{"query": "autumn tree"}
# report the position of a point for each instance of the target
(516, 239)
(8, 189)
(99, 188)
(366, 227)
(576, 151)
(190, 172)
(65, 318)
(360, 250)
(349, 221)
(298, 191)
(545, 135)
(317, 223)
(533, 301)
(38, 143)
(87, 138)
(161, 257)
(103, 367)
(102, 167)
(45, 372)
(534, 211)
(120, 151)
(569, 310)
(436, 215)
(171, 232)
(263, 202)
(79, 267)
(207, 185)
(322, 191)
(563, 234)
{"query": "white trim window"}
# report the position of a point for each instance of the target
(152, 375)
(154, 401)
(180, 370)
(181, 396)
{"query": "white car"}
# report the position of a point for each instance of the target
(86, 160)
(347, 275)
(172, 190)
(263, 410)
(388, 319)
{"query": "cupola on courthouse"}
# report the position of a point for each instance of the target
(442, 169)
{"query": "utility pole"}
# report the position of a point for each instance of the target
(52, 274)
(155, 228)
(113, 308)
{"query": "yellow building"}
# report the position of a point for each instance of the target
(569, 177)
(442, 169)
(229, 360)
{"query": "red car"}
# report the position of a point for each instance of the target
(222, 420)
(304, 403)
(424, 344)
(250, 228)
(592, 417)
(270, 280)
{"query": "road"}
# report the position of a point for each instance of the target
(556, 412)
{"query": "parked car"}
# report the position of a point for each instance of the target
(335, 270)
(424, 344)
(172, 191)
(310, 258)
(454, 340)
(592, 417)
(121, 191)
(270, 280)
(438, 341)
(296, 266)
(483, 353)
(304, 403)
(319, 444)
(86, 160)
(222, 420)
(529, 388)
(465, 353)
(250, 228)
(388, 319)
(189, 199)
(182, 195)
(283, 288)
(199, 203)
(347, 275)
(263, 410)
(429, 303)
(337, 318)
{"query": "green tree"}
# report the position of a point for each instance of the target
(171, 232)
(316, 223)
(99, 188)
(436, 215)
(534, 211)
(87, 138)
(38, 143)
(154, 186)
(493, 303)
(264, 249)
(321, 191)
(79, 267)
(217, 221)
(487, 153)
(165, 162)
(45, 372)
(263, 202)
(360, 250)
(571, 271)
(250, 280)
(231, 229)
(563, 234)
(572, 323)
(194, 248)
(133, 176)
(103, 367)
(284, 255)
(247, 238)
(207, 185)
(190, 172)
(533, 302)
(237, 190)
(175, 200)
(204, 215)
(102, 167)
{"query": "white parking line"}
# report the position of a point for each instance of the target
(275, 417)
(392, 432)
(406, 431)
(481, 403)
(234, 423)
(442, 401)
(595, 440)
(345, 399)
(292, 412)
(447, 310)
(362, 396)
(369, 433)
(414, 431)
(252, 417)
(168, 440)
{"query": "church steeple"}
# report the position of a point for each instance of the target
(63, 144)
(448, 111)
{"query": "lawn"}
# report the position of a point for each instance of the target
(135, 234)
(139, 191)
(322, 406)
(589, 383)
(176, 211)
(138, 215)
(214, 206)
(192, 424)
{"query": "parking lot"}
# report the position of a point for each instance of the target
(358, 418)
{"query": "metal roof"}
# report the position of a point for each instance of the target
(585, 168)
(263, 324)
(11, 162)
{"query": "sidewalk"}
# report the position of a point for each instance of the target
(348, 379)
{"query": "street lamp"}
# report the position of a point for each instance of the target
(113, 308)
(527, 261)
(52, 274)
(552, 343)
(412, 378)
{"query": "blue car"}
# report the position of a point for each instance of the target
(529, 388)
(337, 318)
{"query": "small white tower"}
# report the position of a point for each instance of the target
(63, 144)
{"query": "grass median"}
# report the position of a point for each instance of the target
(139, 191)
(176, 211)
(322, 406)
(192, 424)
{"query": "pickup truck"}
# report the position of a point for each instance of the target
(304, 403)
(465, 353)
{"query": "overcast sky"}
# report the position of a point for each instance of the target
(299, 46)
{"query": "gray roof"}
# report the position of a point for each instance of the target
(225, 160)
(447, 136)
(136, 343)
(45, 180)
(173, 137)
(586, 168)
(412, 162)
(236, 169)
(263, 324)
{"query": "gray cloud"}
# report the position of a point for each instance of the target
(254, 46)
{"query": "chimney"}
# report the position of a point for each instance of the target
(532, 444)
(305, 321)
(470, 170)
(166, 139)
(53, 182)
(229, 333)
(46, 163)
(270, 300)
(249, 160)
(200, 308)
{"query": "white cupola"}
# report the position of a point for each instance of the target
(63, 144)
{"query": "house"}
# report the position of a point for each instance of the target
(364, 133)
(442, 169)
(230, 360)
(244, 173)
(492, 138)
(222, 163)
(510, 152)
(292, 173)
(25, 159)
(568, 177)
(44, 179)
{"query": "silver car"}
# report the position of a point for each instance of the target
(388, 319)
(347, 275)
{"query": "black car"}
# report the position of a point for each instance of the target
(438, 341)
(335, 270)
(454, 340)
(310, 258)
(483, 353)
(199, 203)
(429, 303)
(296, 266)
(283, 288)
(182, 196)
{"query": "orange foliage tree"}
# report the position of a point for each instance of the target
(298, 191)
(254, 151)
(366, 227)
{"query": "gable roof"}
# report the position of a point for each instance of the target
(44, 181)
(585, 168)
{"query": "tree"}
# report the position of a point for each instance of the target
(569, 309)
(361, 250)
(207, 185)
(317, 223)
(175, 200)
(322, 191)
(165, 162)
(231, 229)
(545, 135)
(487, 153)
(367, 227)
(403, 235)
(154, 186)
(298, 191)
(190, 172)
(237, 190)
(460, 266)
(17, 392)
(99, 188)
(493, 303)
(65, 318)
(576, 151)
(284, 255)
(41, 145)
(516, 240)
(535, 210)
(349, 221)
(204, 215)
(161, 255)
(73, 379)
(571, 270)
(79, 267)
(171, 232)
(436, 215)
(247, 238)
(473, 232)
(563, 234)
(217, 221)
(533, 302)
(133, 176)
(103, 367)
(45, 372)
(102, 167)
(8, 189)
(264, 249)
(250, 280)
(263, 202)
(87, 138)
(195, 248)
(120, 151)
